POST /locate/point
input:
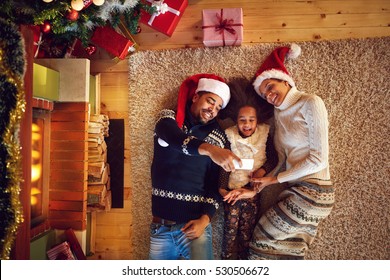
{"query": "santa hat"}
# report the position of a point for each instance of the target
(273, 67)
(196, 83)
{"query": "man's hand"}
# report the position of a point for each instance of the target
(195, 228)
(222, 157)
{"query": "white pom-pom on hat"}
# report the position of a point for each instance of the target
(294, 52)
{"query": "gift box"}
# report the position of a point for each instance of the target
(122, 29)
(38, 40)
(168, 15)
(91, 52)
(107, 38)
(222, 27)
(61, 252)
(46, 45)
(79, 51)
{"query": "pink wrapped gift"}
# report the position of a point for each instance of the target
(222, 27)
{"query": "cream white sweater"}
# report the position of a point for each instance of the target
(301, 138)
(253, 146)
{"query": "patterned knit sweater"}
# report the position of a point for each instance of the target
(301, 138)
(185, 184)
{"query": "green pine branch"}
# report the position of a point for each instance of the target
(37, 12)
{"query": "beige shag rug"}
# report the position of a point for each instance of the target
(353, 78)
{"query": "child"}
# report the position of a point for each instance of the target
(248, 139)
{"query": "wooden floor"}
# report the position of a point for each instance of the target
(264, 21)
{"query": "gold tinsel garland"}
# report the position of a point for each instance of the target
(13, 162)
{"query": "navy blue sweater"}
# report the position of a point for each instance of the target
(184, 183)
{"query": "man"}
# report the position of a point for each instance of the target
(188, 147)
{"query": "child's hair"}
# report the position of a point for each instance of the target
(243, 94)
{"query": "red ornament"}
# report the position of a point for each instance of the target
(138, 29)
(46, 27)
(87, 3)
(72, 15)
(91, 49)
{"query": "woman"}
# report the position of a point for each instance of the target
(286, 229)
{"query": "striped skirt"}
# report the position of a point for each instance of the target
(287, 228)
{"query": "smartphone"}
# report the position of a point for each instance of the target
(247, 164)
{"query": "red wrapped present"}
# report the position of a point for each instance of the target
(74, 244)
(122, 29)
(222, 27)
(46, 45)
(38, 39)
(107, 38)
(78, 50)
(167, 16)
(91, 52)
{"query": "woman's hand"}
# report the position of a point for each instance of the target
(259, 173)
(260, 183)
(235, 195)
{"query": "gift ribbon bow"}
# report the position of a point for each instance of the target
(38, 44)
(224, 25)
(161, 8)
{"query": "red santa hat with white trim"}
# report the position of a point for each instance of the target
(273, 66)
(196, 83)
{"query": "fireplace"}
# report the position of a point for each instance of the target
(40, 166)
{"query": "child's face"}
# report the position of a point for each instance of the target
(246, 121)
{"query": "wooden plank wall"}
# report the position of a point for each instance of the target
(68, 166)
(264, 21)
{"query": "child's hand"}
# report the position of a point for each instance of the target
(256, 186)
(237, 194)
(258, 173)
(223, 192)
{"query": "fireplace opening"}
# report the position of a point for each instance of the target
(40, 168)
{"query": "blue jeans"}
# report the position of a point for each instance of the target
(170, 243)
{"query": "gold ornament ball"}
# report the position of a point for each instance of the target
(47, 1)
(98, 2)
(77, 5)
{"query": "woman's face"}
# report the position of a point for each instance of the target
(274, 91)
(246, 121)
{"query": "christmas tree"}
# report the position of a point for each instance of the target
(66, 20)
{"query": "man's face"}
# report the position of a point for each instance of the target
(205, 106)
